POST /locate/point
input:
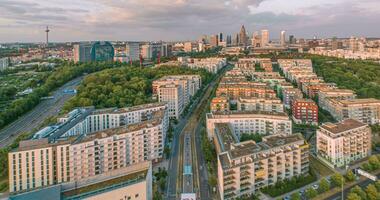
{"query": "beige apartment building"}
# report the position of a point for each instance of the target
(260, 104)
(190, 84)
(343, 143)
(173, 95)
(43, 162)
(250, 122)
(219, 104)
(339, 94)
(246, 167)
(363, 110)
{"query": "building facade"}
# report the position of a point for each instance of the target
(246, 167)
(260, 104)
(132, 50)
(50, 158)
(343, 143)
(305, 111)
(250, 122)
(174, 96)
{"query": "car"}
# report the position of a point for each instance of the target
(315, 187)
(286, 198)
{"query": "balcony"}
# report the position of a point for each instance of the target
(227, 173)
(229, 183)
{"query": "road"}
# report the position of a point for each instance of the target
(34, 118)
(363, 184)
(190, 123)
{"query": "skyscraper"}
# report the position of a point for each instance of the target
(220, 37)
(243, 36)
(264, 38)
(82, 52)
(132, 49)
(214, 40)
(256, 39)
(292, 39)
(282, 38)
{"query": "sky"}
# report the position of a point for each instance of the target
(169, 20)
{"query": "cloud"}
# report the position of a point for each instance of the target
(181, 19)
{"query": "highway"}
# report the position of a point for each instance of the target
(34, 118)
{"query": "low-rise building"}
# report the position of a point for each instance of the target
(250, 122)
(246, 167)
(343, 143)
(259, 104)
(305, 111)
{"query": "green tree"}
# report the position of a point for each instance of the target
(350, 176)
(336, 180)
(359, 191)
(374, 162)
(167, 151)
(311, 193)
(295, 196)
(353, 196)
(372, 192)
(324, 185)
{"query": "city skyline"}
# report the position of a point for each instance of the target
(25, 21)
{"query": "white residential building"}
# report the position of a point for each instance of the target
(174, 96)
(250, 122)
(343, 143)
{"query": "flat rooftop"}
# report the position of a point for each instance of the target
(128, 109)
(225, 136)
(343, 126)
(106, 185)
(251, 148)
(238, 114)
(359, 101)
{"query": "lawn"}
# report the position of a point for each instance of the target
(320, 167)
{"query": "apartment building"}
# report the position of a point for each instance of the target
(132, 182)
(312, 89)
(212, 65)
(305, 111)
(363, 110)
(49, 158)
(219, 104)
(265, 123)
(246, 167)
(266, 65)
(289, 95)
(339, 94)
(190, 84)
(343, 143)
(234, 91)
(259, 104)
(173, 95)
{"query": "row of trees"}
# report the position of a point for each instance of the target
(371, 192)
(287, 185)
(123, 87)
(324, 186)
